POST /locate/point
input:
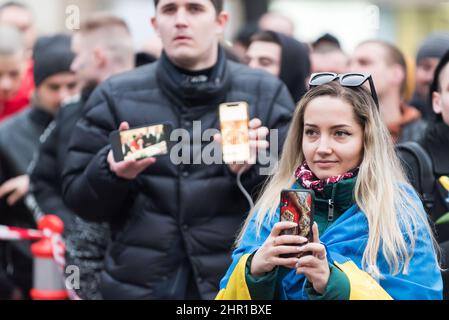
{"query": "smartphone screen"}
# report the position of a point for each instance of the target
(234, 121)
(140, 143)
(297, 206)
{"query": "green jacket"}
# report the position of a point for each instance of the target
(329, 205)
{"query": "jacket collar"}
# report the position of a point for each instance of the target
(190, 90)
(40, 116)
(340, 195)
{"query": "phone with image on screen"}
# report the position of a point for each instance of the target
(298, 206)
(140, 143)
(234, 125)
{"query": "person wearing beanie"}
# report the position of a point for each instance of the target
(282, 56)
(19, 139)
(103, 47)
(435, 143)
(429, 53)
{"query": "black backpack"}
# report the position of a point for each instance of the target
(425, 178)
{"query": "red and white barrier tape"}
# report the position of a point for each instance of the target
(13, 233)
(57, 243)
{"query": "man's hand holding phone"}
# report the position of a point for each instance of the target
(268, 255)
(257, 140)
(128, 169)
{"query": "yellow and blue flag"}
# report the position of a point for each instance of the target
(345, 242)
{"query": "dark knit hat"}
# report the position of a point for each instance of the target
(434, 46)
(51, 55)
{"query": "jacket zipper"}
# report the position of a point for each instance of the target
(330, 216)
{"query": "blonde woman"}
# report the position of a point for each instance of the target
(371, 237)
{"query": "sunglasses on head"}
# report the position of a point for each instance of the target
(346, 80)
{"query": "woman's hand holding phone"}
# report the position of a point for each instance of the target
(128, 169)
(268, 255)
(315, 267)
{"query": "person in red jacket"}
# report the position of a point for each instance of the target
(16, 73)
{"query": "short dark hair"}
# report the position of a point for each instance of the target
(218, 5)
(13, 4)
(266, 36)
(102, 21)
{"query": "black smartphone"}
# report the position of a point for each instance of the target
(298, 206)
(142, 142)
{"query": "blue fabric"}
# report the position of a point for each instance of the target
(346, 240)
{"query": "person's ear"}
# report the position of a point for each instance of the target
(398, 75)
(436, 102)
(222, 21)
(100, 58)
(153, 22)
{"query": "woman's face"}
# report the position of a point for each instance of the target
(332, 138)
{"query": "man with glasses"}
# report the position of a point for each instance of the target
(387, 65)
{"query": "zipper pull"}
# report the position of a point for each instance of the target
(330, 216)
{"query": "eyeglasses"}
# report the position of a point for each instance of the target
(346, 80)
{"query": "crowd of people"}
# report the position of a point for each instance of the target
(154, 228)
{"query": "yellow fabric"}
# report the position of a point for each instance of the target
(444, 182)
(363, 286)
(236, 288)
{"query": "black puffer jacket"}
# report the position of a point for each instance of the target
(19, 139)
(85, 242)
(173, 220)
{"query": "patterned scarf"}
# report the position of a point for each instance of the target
(308, 180)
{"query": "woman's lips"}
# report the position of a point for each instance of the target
(325, 164)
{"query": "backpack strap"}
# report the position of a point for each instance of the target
(426, 177)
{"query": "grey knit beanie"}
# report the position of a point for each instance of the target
(434, 46)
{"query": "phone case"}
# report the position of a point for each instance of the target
(298, 206)
(141, 142)
(234, 120)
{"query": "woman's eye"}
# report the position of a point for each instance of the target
(342, 133)
(310, 132)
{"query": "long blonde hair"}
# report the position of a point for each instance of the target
(393, 215)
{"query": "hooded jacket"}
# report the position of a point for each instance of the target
(295, 65)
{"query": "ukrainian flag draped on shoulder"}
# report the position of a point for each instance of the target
(345, 242)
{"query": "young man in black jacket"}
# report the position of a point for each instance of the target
(174, 223)
(103, 47)
(436, 144)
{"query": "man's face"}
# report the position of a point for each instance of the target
(371, 58)
(23, 21)
(266, 56)
(12, 71)
(335, 61)
(424, 75)
(441, 98)
(189, 30)
(52, 92)
(83, 64)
